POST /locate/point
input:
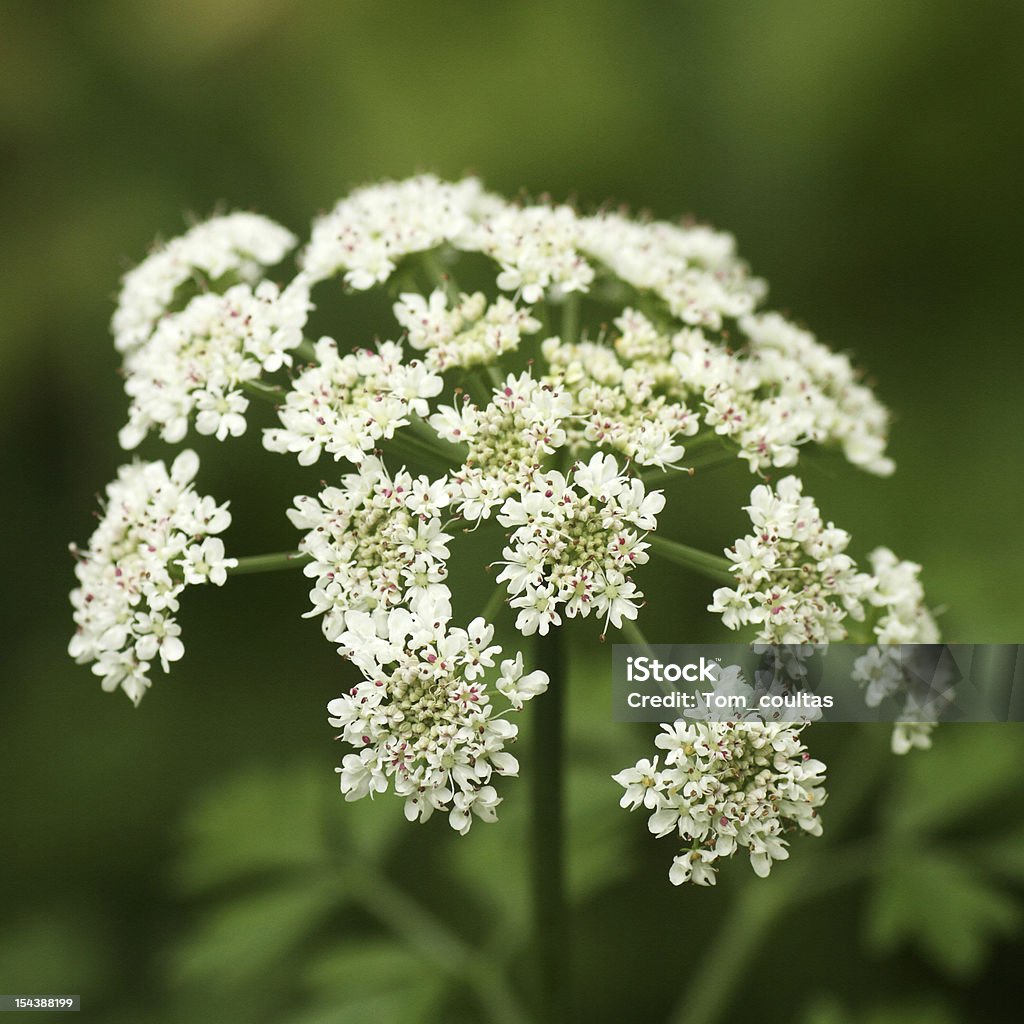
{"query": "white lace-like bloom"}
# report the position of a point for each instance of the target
(240, 244)
(198, 360)
(756, 379)
(694, 270)
(727, 787)
(574, 544)
(369, 231)
(902, 618)
(155, 537)
(508, 442)
(782, 390)
(472, 333)
(536, 248)
(664, 358)
(344, 405)
(795, 581)
(376, 543)
(616, 405)
(423, 721)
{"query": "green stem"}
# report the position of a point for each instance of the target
(550, 941)
(714, 567)
(270, 563)
(440, 277)
(419, 453)
(306, 350)
(571, 318)
(264, 392)
(632, 635)
(494, 604)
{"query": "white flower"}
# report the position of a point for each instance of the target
(422, 718)
(576, 549)
(515, 686)
(238, 243)
(794, 580)
(198, 359)
(506, 442)
(206, 562)
(726, 787)
(151, 542)
(371, 549)
(470, 334)
(371, 229)
(345, 405)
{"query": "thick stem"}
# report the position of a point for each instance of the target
(270, 563)
(715, 567)
(547, 848)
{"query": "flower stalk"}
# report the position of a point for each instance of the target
(547, 840)
(269, 563)
(714, 567)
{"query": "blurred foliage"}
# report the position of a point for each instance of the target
(193, 859)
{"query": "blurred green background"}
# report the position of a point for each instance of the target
(191, 859)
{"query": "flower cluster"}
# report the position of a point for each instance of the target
(700, 355)
(344, 405)
(575, 542)
(901, 617)
(156, 537)
(726, 787)
(795, 581)
(376, 543)
(589, 353)
(780, 390)
(616, 402)
(198, 360)
(507, 442)
(423, 720)
(239, 244)
(367, 233)
(471, 333)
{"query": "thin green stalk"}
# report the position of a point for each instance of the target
(632, 635)
(440, 277)
(714, 567)
(571, 318)
(264, 392)
(410, 447)
(426, 433)
(661, 477)
(270, 563)
(547, 840)
(494, 375)
(495, 603)
(306, 350)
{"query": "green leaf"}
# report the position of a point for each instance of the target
(968, 768)
(375, 980)
(943, 906)
(238, 941)
(260, 821)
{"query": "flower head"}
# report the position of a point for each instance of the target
(422, 720)
(727, 787)
(155, 537)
